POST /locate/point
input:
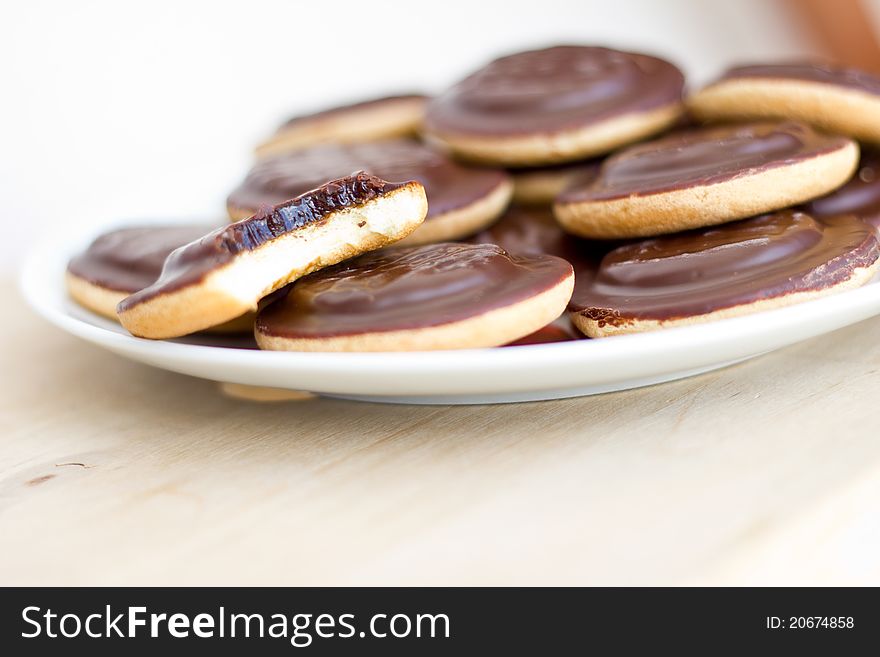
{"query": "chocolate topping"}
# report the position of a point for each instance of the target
(534, 231)
(552, 90)
(860, 196)
(353, 107)
(705, 156)
(809, 72)
(189, 264)
(409, 288)
(702, 271)
(448, 185)
(584, 171)
(130, 259)
(527, 231)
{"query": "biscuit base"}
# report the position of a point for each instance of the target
(826, 106)
(237, 287)
(100, 300)
(541, 187)
(558, 147)
(263, 394)
(619, 325)
(400, 117)
(708, 205)
(490, 329)
(463, 222)
(103, 301)
(447, 227)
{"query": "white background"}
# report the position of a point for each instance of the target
(115, 110)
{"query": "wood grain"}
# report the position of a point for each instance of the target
(116, 473)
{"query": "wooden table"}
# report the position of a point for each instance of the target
(113, 472)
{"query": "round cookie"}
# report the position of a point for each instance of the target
(379, 118)
(228, 271)
(556, 105)
(532, 230)
(725, 271)
(461, 199)
(860, 196)
(123, 261)
(439, 296)
(834, 98)
(541, 185)
(707, 176)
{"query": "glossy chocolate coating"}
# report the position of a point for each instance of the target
(553, 90)
(448, 185)
(527, 230)
(702, 271)
(130, 259)
(705, 156)
(409, 288)
(809, 72)
(189, 264)
(533, 231)
(352, 107)
(860, 196)
(583, 172)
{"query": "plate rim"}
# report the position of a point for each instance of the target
(50, 255)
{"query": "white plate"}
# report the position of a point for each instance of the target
(472, 376)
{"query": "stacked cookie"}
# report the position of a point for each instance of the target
(558, 188)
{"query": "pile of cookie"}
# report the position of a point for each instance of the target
(551, 195)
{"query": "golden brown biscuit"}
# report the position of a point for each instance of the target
(380, 118)
(834, 98)
(724, 271)
(439, 296)
(541, 185)
(264, 394)
(556, 105)
(704, 177)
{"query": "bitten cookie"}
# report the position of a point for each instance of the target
(380, 118)
(735, 269)
(461, 200)
(833, 98)
(556, 105)
(228, 271)
(860, 196)
(541, 185)
(440, 296)
(124, 261)
(704, 177)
